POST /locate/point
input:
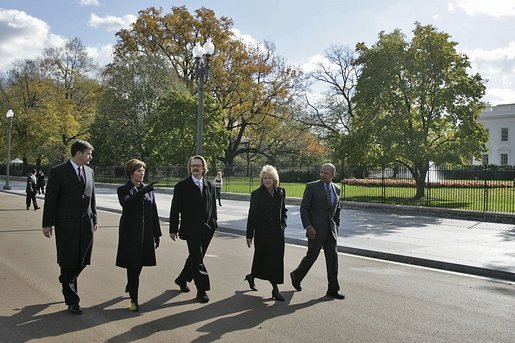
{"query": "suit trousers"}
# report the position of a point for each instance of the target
(331, 261)
(31, 198)
(194, 268)
(68, 280)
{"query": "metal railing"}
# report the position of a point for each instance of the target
(477, 188)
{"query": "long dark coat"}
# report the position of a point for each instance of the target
(70, 208)
(139, 225)
(266, 223)
(195, 212)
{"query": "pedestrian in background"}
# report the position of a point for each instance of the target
(194, 206)
(40, 182)
(265, 225)
(218, 181)
(70, 209)
(139, 229)
(31, 190)
(320, 215)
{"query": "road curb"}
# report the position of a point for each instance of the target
(417, 261)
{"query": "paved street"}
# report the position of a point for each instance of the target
(386, 302)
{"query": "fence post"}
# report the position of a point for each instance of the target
(485, 191)
(383, 187)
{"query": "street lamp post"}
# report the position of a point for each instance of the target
(202, 55)
(9, 115)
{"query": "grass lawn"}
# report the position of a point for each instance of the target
(477, 199)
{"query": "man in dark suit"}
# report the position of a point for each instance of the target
(31, 190)
(320, 215)
(194, 200)
(70, 209)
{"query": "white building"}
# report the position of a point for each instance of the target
(500, 124)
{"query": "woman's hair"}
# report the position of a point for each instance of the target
(270, 170)
(132, 165)
(204, 163)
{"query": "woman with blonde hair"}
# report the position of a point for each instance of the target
(265, 225)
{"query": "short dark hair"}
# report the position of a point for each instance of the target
(80, 145)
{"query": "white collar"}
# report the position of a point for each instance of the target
(75, 166)
(196, 181)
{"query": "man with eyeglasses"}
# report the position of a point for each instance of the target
(194, 207)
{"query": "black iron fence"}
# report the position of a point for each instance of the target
(477, 188)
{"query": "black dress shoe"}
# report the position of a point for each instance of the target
(295, 283)
(182, 284)
(336, 295)
(202, 298)
(277, 296)
(250, 279)
(75, 309)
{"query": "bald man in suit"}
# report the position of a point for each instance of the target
(320, 215)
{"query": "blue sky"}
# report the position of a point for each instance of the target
(300, 29)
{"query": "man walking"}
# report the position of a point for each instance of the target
(320, 215)
(194, 200)
(31, 190)
(70, 209)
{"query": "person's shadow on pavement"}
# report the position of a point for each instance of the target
(29, 324)
(249, 311)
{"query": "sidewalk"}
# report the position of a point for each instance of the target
(465, 246)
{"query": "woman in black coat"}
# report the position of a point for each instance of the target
(266, 223)
(139, 227)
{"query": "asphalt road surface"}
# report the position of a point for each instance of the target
(386, 302)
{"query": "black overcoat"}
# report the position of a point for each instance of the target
(70, 208)
(266, 223)
(193, 215)
(139, 225)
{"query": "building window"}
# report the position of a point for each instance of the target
(504, 159)
(485, 159)
(504, 134)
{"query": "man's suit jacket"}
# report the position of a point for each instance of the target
(30, 188)
(70, 208)
(316, 211)
(198, 216)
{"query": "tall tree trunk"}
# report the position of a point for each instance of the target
(420, 179)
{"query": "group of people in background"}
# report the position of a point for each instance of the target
(70, 210)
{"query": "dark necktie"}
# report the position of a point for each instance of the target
(81, 177)
(328, 194)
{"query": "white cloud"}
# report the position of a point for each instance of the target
(23, 36)
(111, 23)
(89, 3)
(494, 54)
(498, 67)
(246, 39)
(494, 8)
(102, 55)
(313, 63)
